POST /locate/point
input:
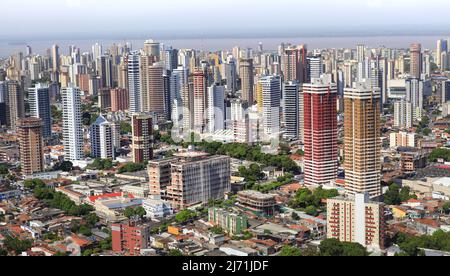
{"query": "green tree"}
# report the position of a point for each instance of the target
(217, 230)
(446, 207)
(16, 245)
(311, 210)
(65, 166)
(185, 216)
(125, 128)
(288, 251)
(392, 196)
(175, 253)
(333, 247)
(4, 170)
(140, 212)
(129, 212)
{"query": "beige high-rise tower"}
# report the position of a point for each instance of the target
(362, 140)
(247, 79)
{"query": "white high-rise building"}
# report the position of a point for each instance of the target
(315, 67)
(403, 115)
(101, 134)
(414, 95)
(271, 92)
(72, 125)
(97, 51)
(39, 100)
(134, 83)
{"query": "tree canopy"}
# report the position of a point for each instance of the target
(395, 195)
(333, 247)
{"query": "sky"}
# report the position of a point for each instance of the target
(25, 19)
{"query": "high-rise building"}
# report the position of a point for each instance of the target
(171, 59)
(416, 60)
(3, 106)
(104, 98)
(293, 63)
(119, 99)
(72, 123)
(445, 96)
(320, 131)
(415, 89)
(97, 51)
(403, 114)
(230, 75)
(105, 71)
(247, 79)
(153, 48)
(216, 108)
(134, 82)
(101, 134)
(142, 128)
(315, 65)
(292, 110)
(198, 179)
(356, 220)
(14, 100)
(271, 92)
(154, 90)
(442, 47)
(362, 140)
(200, 103)
(29, 132)
(39, 100)
(55, 58)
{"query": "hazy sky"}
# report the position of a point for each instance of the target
(24, 19)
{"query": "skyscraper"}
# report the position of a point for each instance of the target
(134, 82)
(200, 103)
(72, 125)
(292, 110)
(15, 107)
(362, 140)
(442, 47)
(29, 131)
(216, 108)
(119, 99)
(55, 58)
(246, 74)
(315, 65)
(105, 71)
(416, 60)
(320, 131)
(153, 48)
(142, 145)
(155, 89)
(271, 91)
(101, 134)
(39, 100)
(294, 65)
(3, 107)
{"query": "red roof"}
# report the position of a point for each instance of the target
(95, 198)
